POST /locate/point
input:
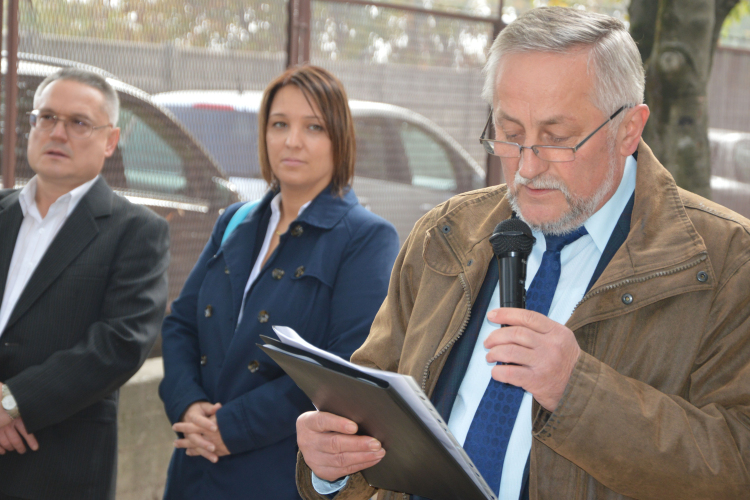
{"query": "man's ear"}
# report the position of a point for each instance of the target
(112, 140)
(631, 128)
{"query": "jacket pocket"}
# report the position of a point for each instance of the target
(314, 271)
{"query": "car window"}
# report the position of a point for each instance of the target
(372, 148)
(428, 161)
(230, 136)
(742, 161)
(150, 163)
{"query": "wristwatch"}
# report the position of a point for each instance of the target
(9, 403)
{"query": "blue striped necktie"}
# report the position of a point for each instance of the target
(489, 433)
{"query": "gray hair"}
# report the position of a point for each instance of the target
(614, 60)
(111, 100)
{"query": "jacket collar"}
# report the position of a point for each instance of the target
(99, 198)
(77, 232)
(459, 240)
(327, 209)
(661, 233)
(324, 211)
(9, 200)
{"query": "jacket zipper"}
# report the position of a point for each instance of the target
(448, 345)
(455, 338)
(629, 281)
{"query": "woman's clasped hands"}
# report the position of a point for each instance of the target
(200, 430)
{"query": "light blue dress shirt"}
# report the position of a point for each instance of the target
(579, 261)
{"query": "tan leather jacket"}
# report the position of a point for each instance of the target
(658, 405)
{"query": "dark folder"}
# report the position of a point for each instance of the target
(415, 462)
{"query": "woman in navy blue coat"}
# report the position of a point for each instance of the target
(308, 256)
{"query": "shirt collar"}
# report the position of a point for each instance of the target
(27, 197)
(603, 222)
(28, 193)
(276, 206)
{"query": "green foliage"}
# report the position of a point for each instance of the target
(740, 12)
(338, 31)
(390, 35)
(615, 8)
(258, 25)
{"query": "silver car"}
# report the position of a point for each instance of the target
(406, 164)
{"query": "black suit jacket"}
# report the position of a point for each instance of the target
(82, 326)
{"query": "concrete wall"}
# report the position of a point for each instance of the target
(145, 436)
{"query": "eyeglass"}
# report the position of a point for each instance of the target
(76, 127)
(546, 153)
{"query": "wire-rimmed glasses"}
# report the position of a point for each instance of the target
(76, 127)
(505, 149)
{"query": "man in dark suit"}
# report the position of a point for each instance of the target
(83, 288)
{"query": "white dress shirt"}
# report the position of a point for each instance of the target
(272, 223)
(34, 238)
(578, 263)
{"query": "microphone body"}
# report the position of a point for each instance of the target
(512, 243)
(512, 266)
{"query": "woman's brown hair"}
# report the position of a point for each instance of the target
(326, 93)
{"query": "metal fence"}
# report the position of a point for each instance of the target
(424, 62)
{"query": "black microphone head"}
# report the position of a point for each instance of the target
(512, 235)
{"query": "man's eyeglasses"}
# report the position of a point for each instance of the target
(546, 153)
(75, 127)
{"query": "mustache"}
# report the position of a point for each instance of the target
(541, 181)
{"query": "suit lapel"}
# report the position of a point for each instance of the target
(239, 249)
(78, 231)
(11, 217)
(238, 252)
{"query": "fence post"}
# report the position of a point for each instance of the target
(11, 94)
(298, 32)
(494, 166)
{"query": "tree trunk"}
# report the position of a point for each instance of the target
(678, 66)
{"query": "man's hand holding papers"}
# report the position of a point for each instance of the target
(331, 448)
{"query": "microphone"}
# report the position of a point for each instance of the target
(512, 242)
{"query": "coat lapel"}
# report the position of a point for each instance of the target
(75, 235)
(11, 217)
(238, 251)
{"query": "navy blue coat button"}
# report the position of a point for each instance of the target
(209, 311)
(263, 316)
